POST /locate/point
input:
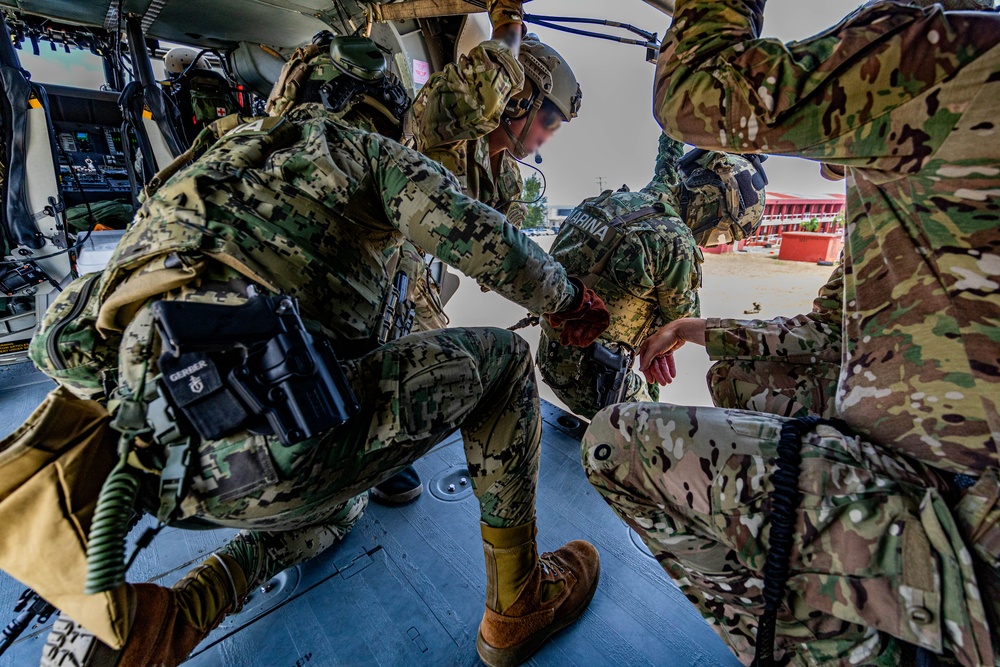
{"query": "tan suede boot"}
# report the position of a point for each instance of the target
(166, 625)
(529, 598)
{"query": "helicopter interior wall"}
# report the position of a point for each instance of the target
(87, 12)
(407, 585)
(255, 68)
(185, 21)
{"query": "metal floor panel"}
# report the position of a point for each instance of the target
(407, 586)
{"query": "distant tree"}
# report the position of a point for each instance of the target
(838, 222)
(810, 226)
(538, 211)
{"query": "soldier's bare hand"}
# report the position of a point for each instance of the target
(662, 370)
(661, 345)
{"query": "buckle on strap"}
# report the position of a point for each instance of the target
(173, 479)
(178, 449)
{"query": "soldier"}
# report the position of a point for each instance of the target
(884, 523)
(639, 250)
(787, 385)
(503, 100)
(303, 206)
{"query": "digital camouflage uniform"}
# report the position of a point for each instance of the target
(306, 206)
(450, 120)
(651, 278)
(905, 98)
(789, 383)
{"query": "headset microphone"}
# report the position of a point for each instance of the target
(538, 157)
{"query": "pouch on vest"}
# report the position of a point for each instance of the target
(978, 516)
(67, 346)
(210, 99)
(51, 471)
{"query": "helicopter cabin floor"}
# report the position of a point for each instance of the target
(406, 587)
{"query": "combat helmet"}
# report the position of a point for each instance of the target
(547, 77)
(350, 77)
(721, 195)
(182, 58)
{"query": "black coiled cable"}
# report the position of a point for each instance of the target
(785, 499)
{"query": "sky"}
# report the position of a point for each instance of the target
(614, 138)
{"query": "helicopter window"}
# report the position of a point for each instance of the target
(80, 69)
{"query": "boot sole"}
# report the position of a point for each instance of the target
(515, 655)
(70, 645)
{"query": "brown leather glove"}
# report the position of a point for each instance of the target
(503, 12)
(585, 319)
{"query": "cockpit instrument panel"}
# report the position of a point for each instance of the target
(89, 146)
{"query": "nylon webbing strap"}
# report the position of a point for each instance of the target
(622, 220)
(785, 499)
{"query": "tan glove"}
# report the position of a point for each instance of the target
(503, 12)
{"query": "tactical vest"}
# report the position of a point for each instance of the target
(246, 147)
(233, 176)
(593, 235)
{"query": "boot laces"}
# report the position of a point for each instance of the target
(548, 564)
(554, 580)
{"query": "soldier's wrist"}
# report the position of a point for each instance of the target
(691, 330)
(569, 304)
(578, 294)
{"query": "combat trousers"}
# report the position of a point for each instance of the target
(572, 376)
(774, 387)
(414, 392)
(876, 551)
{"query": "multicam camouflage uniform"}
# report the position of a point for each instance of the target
(306, 206)
(450, 119)
(788, 383)
(905, 98)
(652, 277)
(455, 112)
